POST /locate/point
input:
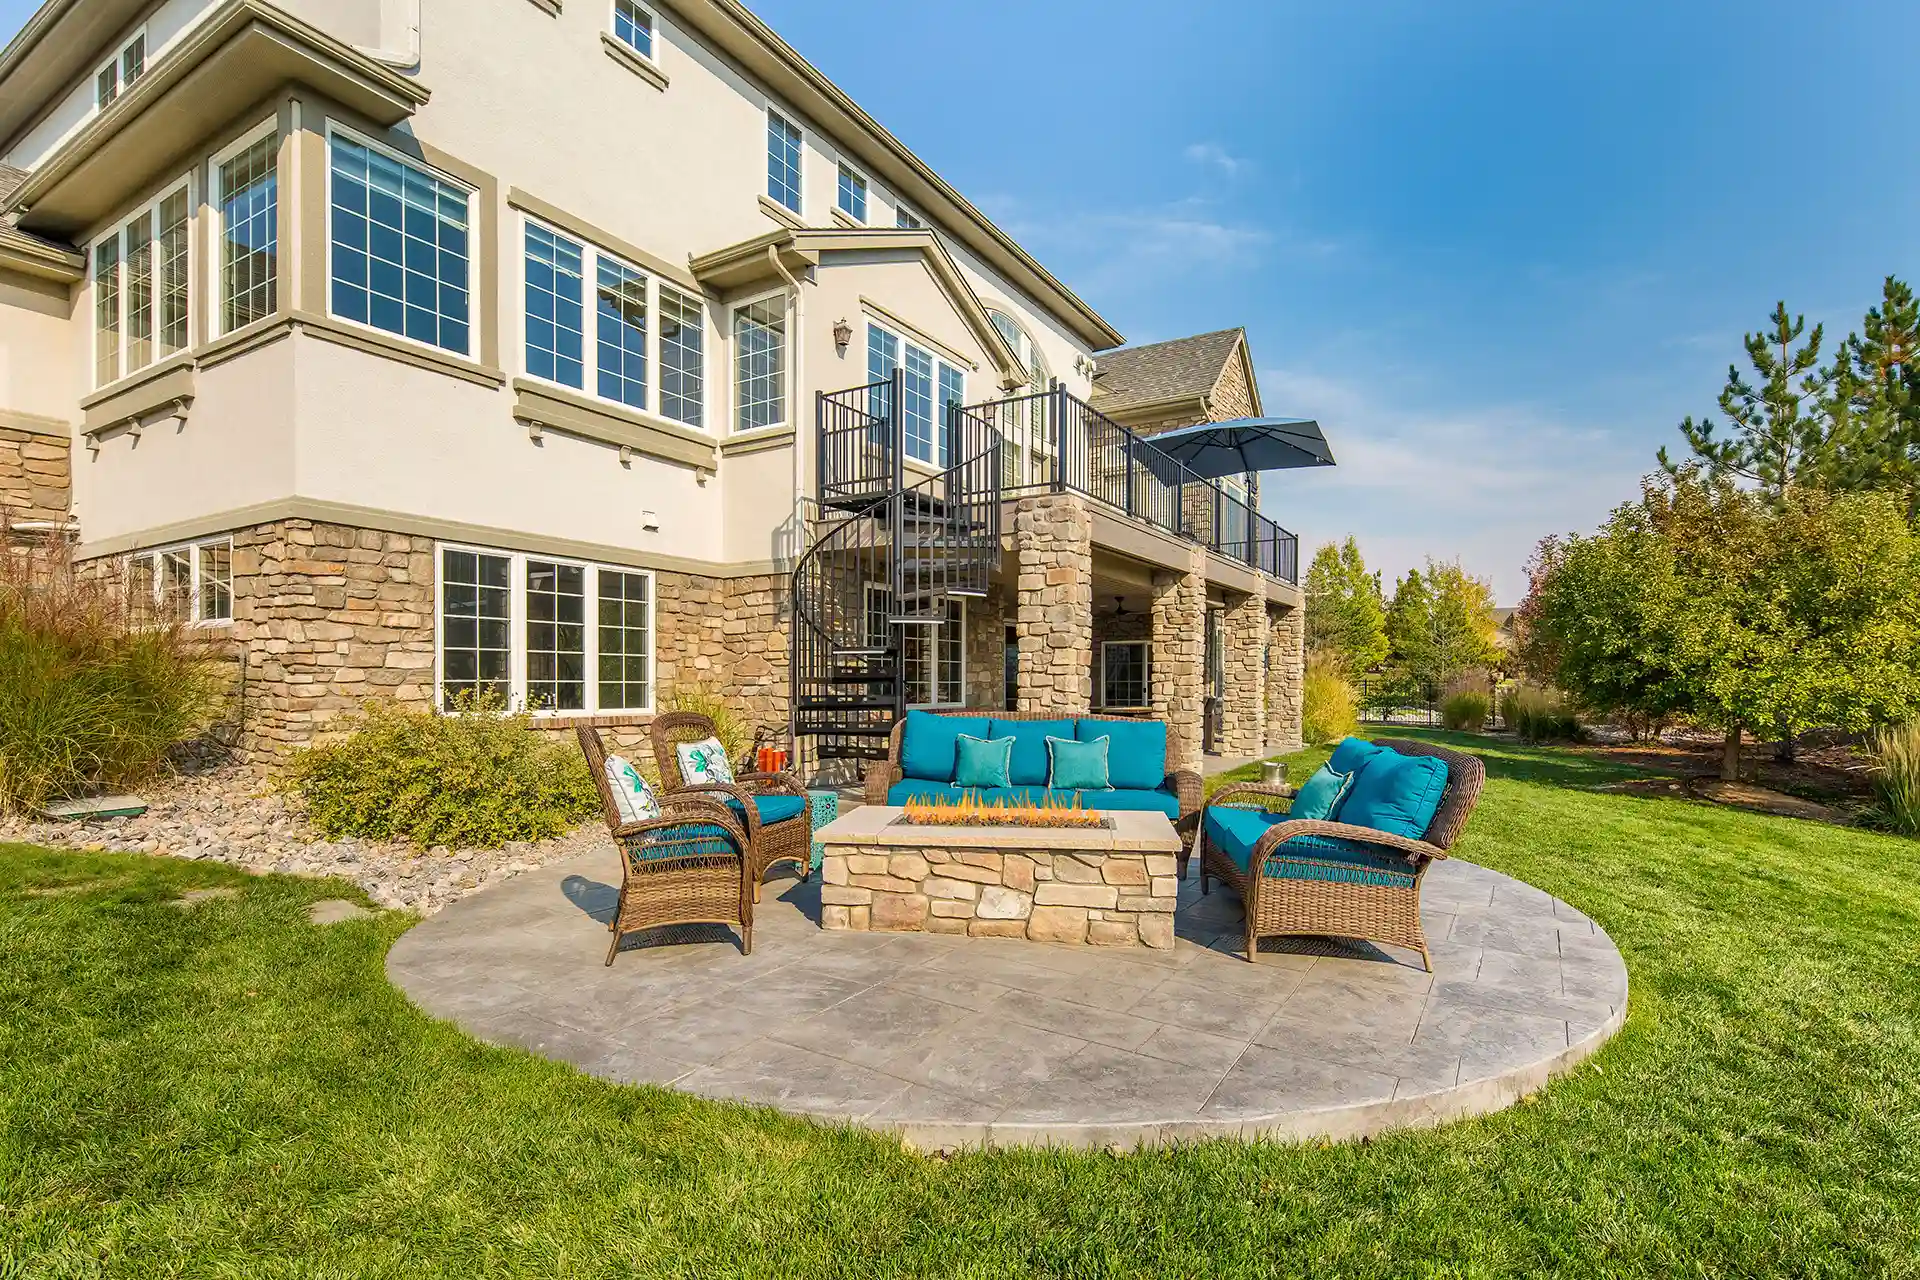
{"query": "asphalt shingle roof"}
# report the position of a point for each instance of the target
(1163, 370)
(10, 180)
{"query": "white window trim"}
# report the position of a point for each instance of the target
(475, 244)
(193, 560)
(800, 176)
(590, 255)
(866, 185)
(900, 210)
(216, 221)
(939, 362)
(517, 630)
(117, 62)
(933, 654)
(147, 207)
(653, 25)
(1146, 667)
(733, 362)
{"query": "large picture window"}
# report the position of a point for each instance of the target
(608, 349)
(191, 584)
(760, 364)
(400, 247)
(140, 289)
(248, 184)
(929, 386)
(548, 635)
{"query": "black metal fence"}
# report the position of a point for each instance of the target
(1387, 701)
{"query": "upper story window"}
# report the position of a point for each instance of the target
(783, 161)
(120, 71)
(633, 27)
(904, 219)
(929, 388)
(617, 360)
(189, 584)
(852, 199)
(1023, 416)
(140, 292)
(760, 364)
(248, 186)
(400, 237)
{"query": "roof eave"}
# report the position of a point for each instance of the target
(739, 33)
(33, 257)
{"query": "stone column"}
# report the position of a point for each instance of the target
(1287, 644)
(1178, 657)
(1053, 555)
(1244, 717)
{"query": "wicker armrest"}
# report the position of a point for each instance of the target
(716, 815)
(1412, 849)
(1191, 790)
(772, 784)
(1266, 792)
(881, 775)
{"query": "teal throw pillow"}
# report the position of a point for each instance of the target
(1078, 766)
(979, 762)
(1396, 794)
(1319, 798)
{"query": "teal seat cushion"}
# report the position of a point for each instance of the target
(979, 762)
(1235, 832)
(1396, 794)
(1114, 800)
(687, 840)
(1352, 755)
(1078, 766)
(1137, 756)
(770, 809)
(1030, 747)
(1320, 796)
(927, 743)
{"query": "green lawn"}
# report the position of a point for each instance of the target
(226, 1090)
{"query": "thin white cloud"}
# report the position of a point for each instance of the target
(1212, 155)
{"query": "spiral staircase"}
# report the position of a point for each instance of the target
(885, 558)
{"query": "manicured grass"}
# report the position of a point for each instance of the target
(227, 1090)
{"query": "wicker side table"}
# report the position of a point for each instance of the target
(826, 807)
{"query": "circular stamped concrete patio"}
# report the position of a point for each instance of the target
(956, 1042)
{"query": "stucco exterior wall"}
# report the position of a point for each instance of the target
(37, 373)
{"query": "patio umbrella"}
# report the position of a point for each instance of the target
(1216, 449)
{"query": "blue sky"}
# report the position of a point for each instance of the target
(1498, 249)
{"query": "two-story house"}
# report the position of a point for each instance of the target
(586, 350)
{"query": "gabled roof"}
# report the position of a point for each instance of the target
(1161, 372)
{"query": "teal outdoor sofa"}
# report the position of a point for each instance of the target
(920, 761)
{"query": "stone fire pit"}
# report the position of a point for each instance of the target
(1110, 886)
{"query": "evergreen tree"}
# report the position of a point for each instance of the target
(1441, 624)
(1346, 620)
(1781, 431)
(1873, 400)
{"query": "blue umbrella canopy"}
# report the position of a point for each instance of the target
(1216, 449)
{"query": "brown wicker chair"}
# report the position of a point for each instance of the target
(882, 774)
(1319, 897)
(688, 866)
(790, 840)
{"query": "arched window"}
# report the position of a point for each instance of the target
(1023, 423)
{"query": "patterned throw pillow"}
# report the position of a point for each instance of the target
(631, 794)
(704, 762)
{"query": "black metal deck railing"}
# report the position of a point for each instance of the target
(1057, 442)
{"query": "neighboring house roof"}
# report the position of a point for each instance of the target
(10, 180)
(1183, 373)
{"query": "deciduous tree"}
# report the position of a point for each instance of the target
(1441, 624)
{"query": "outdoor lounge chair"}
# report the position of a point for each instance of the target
(772, 807)
(688, 866)
(1331, 879)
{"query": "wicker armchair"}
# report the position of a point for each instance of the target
(1291, 889)
(882, 774)
(688, 866)
(787, 840)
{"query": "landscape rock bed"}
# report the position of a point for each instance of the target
(236, 816)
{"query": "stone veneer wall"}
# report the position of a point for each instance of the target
(1178, 676)
(1286, 649)
(36, 475)
(330, 616)
(1243, 729)
(1137, 624)
(987, 622)
(1053, 554)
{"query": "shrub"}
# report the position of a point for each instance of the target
(1466, 709)
(87, 699)
(1896, 775)
(1327, 703)
(474, 778)
(1539, 716)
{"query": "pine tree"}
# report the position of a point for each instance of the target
(1775, 442)
(1874, 400)
(1346, 619)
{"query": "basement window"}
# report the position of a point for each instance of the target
(189, 585)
